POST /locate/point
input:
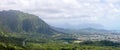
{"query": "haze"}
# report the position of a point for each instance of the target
(63, 13)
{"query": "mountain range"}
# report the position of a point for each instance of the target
(15, 23)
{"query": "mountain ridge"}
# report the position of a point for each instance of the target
(20, 22)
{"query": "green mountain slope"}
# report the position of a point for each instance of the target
(16, 21)
(17, 28)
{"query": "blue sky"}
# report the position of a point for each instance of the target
(61, 13)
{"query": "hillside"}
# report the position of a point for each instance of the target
(17, 28)
(28, 27)
(19, 22)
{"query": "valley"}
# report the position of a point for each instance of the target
(23, 31)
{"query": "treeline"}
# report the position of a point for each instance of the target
(87, 45)
(101, 43)
(12, 43)
(3, 46)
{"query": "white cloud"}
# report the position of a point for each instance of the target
(94, 11)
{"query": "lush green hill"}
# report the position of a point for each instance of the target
(16, 21)
(17, 27)
(23, 25)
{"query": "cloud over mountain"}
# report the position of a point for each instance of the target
(104, 12)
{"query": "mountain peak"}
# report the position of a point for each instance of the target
(17, 21)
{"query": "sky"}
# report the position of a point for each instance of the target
(72, 13)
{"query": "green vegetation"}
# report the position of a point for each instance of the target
(10, 43)
(22, 31)
(101, 43)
